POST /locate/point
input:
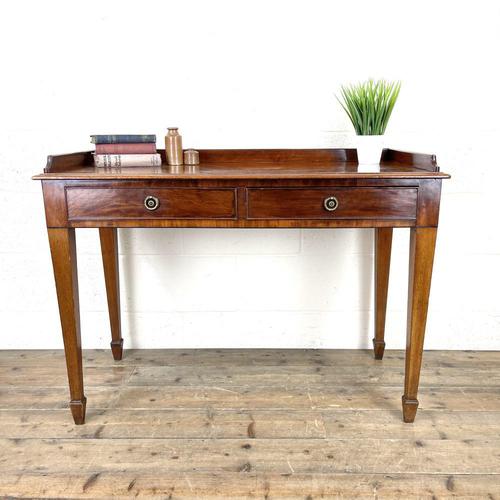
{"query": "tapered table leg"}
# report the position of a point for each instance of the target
(383, 244)
(109, 250)
(63, 251)
(422, 244)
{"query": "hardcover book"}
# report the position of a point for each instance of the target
(121, 138)
(126, 148)
(135, 160)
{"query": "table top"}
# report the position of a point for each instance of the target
(253, 164)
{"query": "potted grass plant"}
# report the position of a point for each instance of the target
(369, 106)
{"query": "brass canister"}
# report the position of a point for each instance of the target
(191, 157)
(173, 146)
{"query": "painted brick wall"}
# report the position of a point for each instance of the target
(250, 74)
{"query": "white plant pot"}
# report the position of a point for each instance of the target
(369, 149)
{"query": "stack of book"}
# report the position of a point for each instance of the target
(125, 150)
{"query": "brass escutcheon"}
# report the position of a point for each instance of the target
(331, 203)
(151, 202)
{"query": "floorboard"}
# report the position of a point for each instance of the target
(250, 424)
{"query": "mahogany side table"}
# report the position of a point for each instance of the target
(273, 188)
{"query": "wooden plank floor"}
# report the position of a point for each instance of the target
(250, 424)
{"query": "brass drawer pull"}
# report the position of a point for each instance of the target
(151, 202)
(331, 203)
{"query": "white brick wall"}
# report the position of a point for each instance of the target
(250, 74)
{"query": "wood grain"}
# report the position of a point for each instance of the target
(429, 194)
(418, 160)
(279, 156)
(254, 164)
(109, 251)
(252, 398)
(128, 203)
(225, 375)
(488, 360)
(353, 203)
(250, 423)
(281, 456)
(63, 252)
(115, 423)
(54, 198)
(422, 245)
(243, 223)
(382, 257)
(64, 162)
(249, 484)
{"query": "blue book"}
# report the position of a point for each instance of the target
(121, 138)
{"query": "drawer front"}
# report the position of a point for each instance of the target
(164, 203)
(332, 203)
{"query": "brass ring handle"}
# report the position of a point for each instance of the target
(331, 203)
(151, 202)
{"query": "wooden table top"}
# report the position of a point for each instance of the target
(254, 164)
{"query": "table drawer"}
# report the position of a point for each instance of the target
(162, 203)
(332, 203)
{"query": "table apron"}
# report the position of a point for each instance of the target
(239, 204)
